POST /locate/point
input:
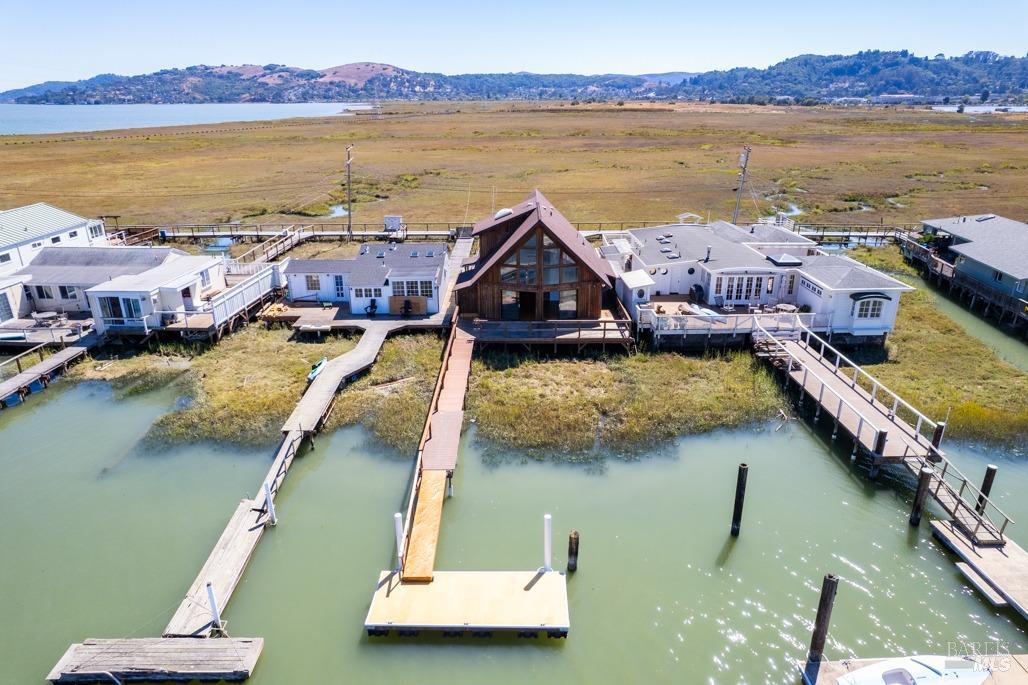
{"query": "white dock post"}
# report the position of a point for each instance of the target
(547, 542)
(272, 517)
(398, 524)
(215, 613)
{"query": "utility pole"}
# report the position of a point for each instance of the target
(744, 159)
(349, 195)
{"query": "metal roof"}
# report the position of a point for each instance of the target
(35, 221)
(88, 266)
(399, 261)
(995, 241)
(690, 242)
(163, 275)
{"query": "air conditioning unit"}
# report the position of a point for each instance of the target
(393, 224)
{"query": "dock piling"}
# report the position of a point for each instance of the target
(824, 616)
(270, 505)
(986, 490)
(740, 497)
(398, 526)
(923, 481)
(940, 430)
(215, 612)
(547, 543)
(573, 551)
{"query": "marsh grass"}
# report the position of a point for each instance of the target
(938, 367)
(621, 405)
(392, 399)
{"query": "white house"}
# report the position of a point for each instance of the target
(153, 298)
(25, 231)
(727, 269)
(391, 278)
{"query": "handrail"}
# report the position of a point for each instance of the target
(876, 384)
(16, 359)
(806, 370)
(977, 497)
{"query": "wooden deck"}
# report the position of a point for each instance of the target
(472, 601)
(604, 331)
(158, 659)
(1003, 569)
(38, 376)
(831, 672)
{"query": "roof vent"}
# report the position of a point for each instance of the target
(381, 254)
(673, 255)
(430, 253)
(414, 253)
(506, 211)
(985, 217)
(708, 254)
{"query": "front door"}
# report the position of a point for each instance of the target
(526, 305)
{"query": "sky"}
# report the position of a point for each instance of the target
(73, 39)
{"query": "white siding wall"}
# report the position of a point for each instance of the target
(24, 252)
(298, 289)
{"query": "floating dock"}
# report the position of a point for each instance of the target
(457, 602)
(158, 659)
(999, 573)
(38, 376)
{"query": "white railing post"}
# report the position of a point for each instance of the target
(215, 612)
(398, 526)
(547, 543)
(272, 517)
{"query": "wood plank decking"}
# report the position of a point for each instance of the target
(1005, 568)
(419, 563)
(472, 601)
(21, 384)
(158, 659)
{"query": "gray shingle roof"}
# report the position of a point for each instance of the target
(691, 241)
(369, 270)
(995, 241)
(841, 273)
(35, 221)
(758, 233)
(88, 266)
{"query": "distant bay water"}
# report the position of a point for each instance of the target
(27, 119)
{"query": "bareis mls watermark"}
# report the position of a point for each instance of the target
(978, 656)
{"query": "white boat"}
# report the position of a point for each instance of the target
(919, 670)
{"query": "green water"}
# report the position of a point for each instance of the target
(102, 538)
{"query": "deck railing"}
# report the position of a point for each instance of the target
(724, 324)
(583, 330)
(862, 421)
(876, 388)
(49, 334)
(128, 323)
(240, 296)
(967, 492)
(16, 362)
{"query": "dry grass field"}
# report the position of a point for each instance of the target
(451, 161)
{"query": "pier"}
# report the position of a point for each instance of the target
(35, 378)
(890, 430)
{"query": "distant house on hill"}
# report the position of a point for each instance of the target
(396, 278)
(990, 249)
(533, 265)
(24, 231)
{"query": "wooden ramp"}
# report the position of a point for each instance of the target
(1006, 670)
(158, 659)
(472, 601)
(20, 385)
(419, 563)
(1004, 569)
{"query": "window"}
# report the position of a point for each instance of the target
(869, 309)
(56, 239)
(205, 278)
(44, 292)
(811, 287)
(340, 288)
(5, 257)
(358, 292)
(997, 276)
(96, 230)
(5, 308)
(792, 284)
(509, 305)
(758, 285)
(551, 275)
(68, 292)
(37, 245)
(770, 284)
(132, 307)
(426, 288)
(313, 281)
(717, 285)
(749, 288)
(110, 307)
(1019, 287)
(568, 304)
(569, 274)
(73, 234)
(378, 292)
(730, 293)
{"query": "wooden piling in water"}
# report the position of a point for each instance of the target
(990, 476)
(923, 481)
(824, 616)
(740, 497)
(573, 551)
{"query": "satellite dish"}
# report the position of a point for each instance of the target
(506, 211)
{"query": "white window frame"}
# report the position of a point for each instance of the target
(68, 292)
(73, 234)
(54, 240)
(312, 281)
(5, 257)
(340, 286)
(425, 288)
(378, 292)
(205, 279)
(870, 309)
(44, 292)
(96, 230)
(38, 244)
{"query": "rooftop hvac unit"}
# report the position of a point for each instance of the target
(393, 224)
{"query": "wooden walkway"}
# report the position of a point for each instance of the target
(17, 388)
(1001, 570)
(158, 659)
(437, 458)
